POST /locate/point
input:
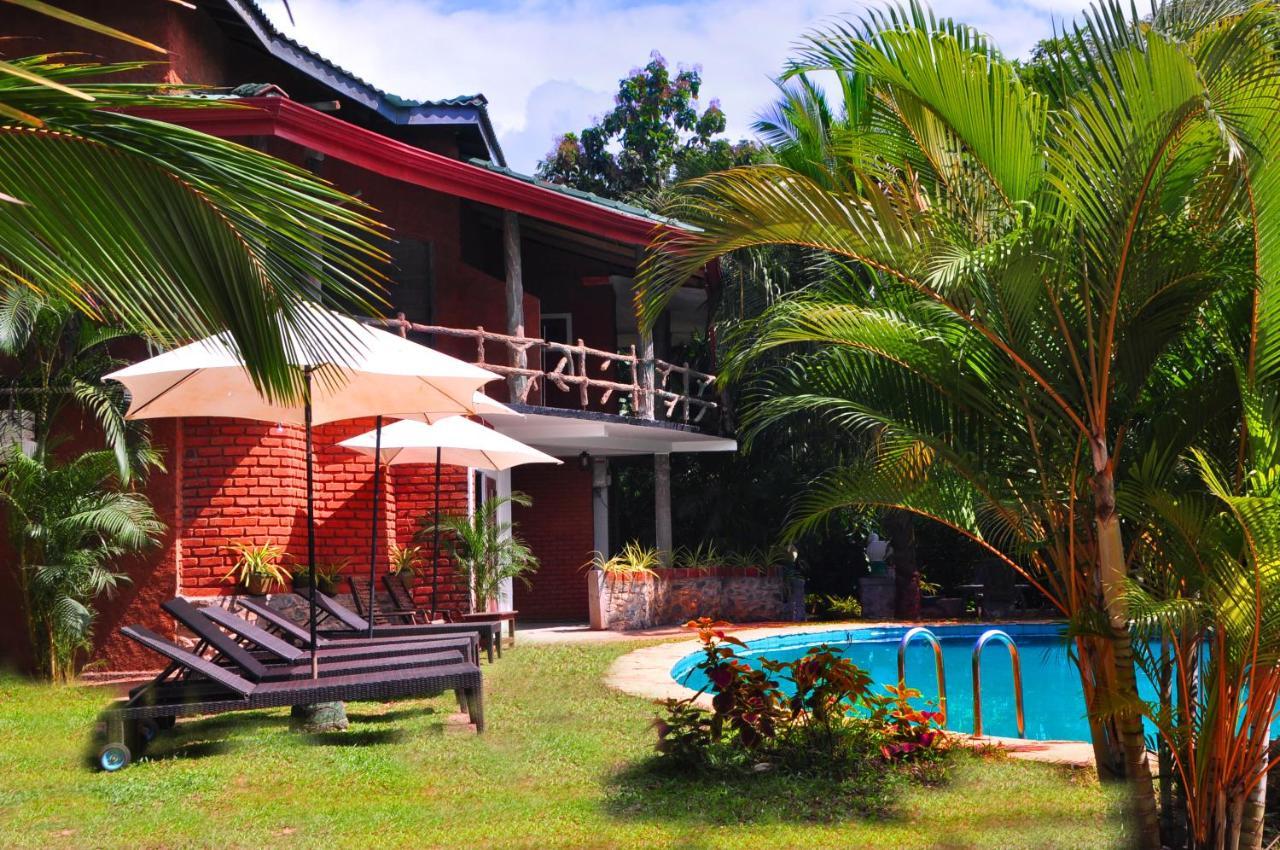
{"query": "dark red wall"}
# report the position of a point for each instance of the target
(558, 529)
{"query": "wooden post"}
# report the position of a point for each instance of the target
(662, 506)
(647, 396)
(584, 399)
(646, 376)
(515, 297)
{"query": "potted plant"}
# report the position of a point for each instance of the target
(257, 569)
(404, 561)
(485, 550)
(327, 576)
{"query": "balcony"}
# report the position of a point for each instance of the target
(575, 376)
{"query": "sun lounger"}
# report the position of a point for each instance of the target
(283, 650)
(199, 686)
(230, 652)
(395, 614)
(352, 624)
(326, 638)
(402, 595)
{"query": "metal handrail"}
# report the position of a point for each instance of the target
(921, 631)
(1003, 637)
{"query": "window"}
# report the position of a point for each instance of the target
(412, 280)
(556, 327)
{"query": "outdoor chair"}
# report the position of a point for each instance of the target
(195, 685)
(1001, 593)
(301, 635)
(230, 653)
(353, 625)
(282, 649)
(396, 614)
(402, 595)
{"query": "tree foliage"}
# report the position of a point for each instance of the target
(654, 135)
(171, 231)
(1016, 322)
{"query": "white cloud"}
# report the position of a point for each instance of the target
(550, 65)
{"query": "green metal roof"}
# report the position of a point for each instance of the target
(397, 109)
(589, 197)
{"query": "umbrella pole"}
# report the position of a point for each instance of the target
(311, 524)
(435, 542)
(373, 535)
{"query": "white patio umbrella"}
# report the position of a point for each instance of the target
(368, 372)
(456, 441)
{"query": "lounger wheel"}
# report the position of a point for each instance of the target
(147, 731)
(114, 756)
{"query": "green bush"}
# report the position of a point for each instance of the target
(834, 723)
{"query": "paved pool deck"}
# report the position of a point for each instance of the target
(646, 672)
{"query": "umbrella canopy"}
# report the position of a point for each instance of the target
(460, 441)
(376, 372)
(456, 441)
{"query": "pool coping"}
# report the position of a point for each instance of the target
(646, 672)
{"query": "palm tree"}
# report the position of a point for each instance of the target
(484, 549)
(173, 232)
(1021, 277)
(57, 358)
(67, 522)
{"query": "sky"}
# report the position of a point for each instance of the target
(547, 66)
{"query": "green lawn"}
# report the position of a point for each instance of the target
(561, 766)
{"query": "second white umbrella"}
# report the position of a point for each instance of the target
(456, 441)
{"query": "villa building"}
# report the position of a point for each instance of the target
(530, 279)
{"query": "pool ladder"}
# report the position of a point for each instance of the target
(986, 637)
(932, 639)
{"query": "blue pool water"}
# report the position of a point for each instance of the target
(1053, 700)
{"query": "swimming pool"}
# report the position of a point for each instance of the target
(1053, 700)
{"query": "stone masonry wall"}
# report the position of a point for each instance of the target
(733, 594)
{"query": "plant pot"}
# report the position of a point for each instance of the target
(258, 586)
(328, 588)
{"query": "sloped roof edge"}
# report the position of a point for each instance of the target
(472, 108)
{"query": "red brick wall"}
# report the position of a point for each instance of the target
(558, 529)
(246, 482)
(415, 500)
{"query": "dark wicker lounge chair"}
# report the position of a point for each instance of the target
(351, 624)
(281, 649)
(195, 685)
(327, 638)
(402, 595)
(229, 652)
(396, 614)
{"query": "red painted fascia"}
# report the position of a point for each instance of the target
(302, 125)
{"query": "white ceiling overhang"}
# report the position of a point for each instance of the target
(568, 433)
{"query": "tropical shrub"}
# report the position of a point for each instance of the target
(833, 721)
(634, 560)
(68, 523)
(484, 548)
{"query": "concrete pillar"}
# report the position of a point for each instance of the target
(662, 505)
(515, 296)
(600, 505)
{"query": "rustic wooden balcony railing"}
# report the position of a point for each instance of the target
(645, 389)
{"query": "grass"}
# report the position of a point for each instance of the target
(562, 766)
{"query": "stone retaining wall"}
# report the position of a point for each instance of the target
(734, 594)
